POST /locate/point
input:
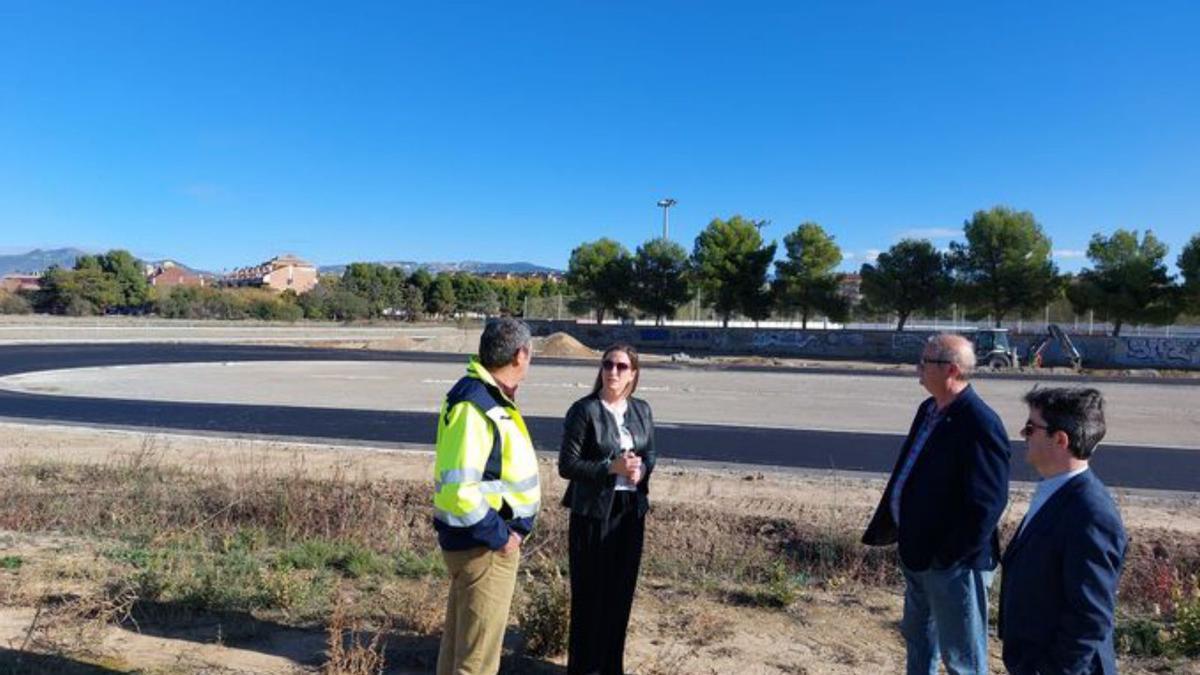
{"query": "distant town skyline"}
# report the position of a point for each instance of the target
(41, 258)
(222, 133)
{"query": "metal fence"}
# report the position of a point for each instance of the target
(692, 314)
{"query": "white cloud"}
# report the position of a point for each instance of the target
(929, 233)
(848, 255)
(1069, 253)
(871, 254)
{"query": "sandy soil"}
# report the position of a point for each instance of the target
(829, 630)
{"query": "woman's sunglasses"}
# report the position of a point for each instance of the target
(619, 366)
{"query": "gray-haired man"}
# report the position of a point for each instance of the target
(486, 497)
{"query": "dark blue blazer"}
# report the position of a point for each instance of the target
(955, 494)
(1059, 584)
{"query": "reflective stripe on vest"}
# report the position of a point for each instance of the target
(508, 472)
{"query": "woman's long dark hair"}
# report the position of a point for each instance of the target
(633, 363)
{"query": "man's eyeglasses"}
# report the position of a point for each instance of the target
(924, 361)
(619, 366)
(1030, 425)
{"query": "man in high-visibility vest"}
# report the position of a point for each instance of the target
(486, 496)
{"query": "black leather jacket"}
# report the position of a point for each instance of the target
(590, 442)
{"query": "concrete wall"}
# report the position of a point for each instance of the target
(871, 345)
(1130, 352)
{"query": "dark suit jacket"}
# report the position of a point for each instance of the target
(590, 441)
(1059, 586)
(953, 498)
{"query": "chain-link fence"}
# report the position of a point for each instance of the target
(561, 307)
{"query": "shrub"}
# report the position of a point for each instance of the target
(11, 303)
(274, 309)
(80, 307)
(1186, 636)
(545, 614)
(779, 590)
(1150, 582)
(1140, 637)
(351, 650)
(195, 302)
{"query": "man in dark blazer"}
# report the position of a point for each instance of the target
(1058, 591)
(942, 505)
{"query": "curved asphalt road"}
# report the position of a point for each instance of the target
(1125, 466)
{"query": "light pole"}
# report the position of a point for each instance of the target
(666, 205)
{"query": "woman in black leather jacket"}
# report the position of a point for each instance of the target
(608, 454)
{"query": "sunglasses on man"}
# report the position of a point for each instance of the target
(1030, 425)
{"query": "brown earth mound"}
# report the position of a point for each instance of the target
(561, 344)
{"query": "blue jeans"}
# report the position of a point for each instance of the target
(946, 615)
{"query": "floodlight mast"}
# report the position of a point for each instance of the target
(666, 205)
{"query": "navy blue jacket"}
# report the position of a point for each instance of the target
(955, 494)
(1058, 590)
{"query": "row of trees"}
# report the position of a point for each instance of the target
(1002, 269)
(371, 290)
(115, 282)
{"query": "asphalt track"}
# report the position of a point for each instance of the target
(1121, 465)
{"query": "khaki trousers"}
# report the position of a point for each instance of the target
(481, 589)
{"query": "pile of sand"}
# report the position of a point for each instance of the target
(561, 344)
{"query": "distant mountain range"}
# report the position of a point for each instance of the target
(39, 260)
(470, 266)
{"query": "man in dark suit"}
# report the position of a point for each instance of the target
(942, 504)
(1058, 591)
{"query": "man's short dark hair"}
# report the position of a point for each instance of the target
(1076, 411)
(501, 340)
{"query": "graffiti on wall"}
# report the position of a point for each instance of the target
(907, 344)
(1099, 352)
(1162, 352)
(838, 342)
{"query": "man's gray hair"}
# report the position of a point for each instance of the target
(1078, 412)
(956, 349)
(501, 340)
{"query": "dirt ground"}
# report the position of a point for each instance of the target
(827, 630)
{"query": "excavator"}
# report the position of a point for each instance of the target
(1055, 334)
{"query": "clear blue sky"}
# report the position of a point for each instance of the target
(222, 133)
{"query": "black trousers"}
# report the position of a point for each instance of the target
(605, 557)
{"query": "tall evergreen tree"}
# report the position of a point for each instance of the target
(730, 263)
(1128, 281)
(1004, 266)
(805, 281)
(599, 274)
(911, 275)
(660, 278)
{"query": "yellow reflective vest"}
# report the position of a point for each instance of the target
(486, 472)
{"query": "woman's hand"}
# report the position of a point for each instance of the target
(636, 477)
(627, 464)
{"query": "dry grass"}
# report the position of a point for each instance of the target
(351, 650)
(545, 613)
(74, 625)
(355, 556)
(696, 626)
